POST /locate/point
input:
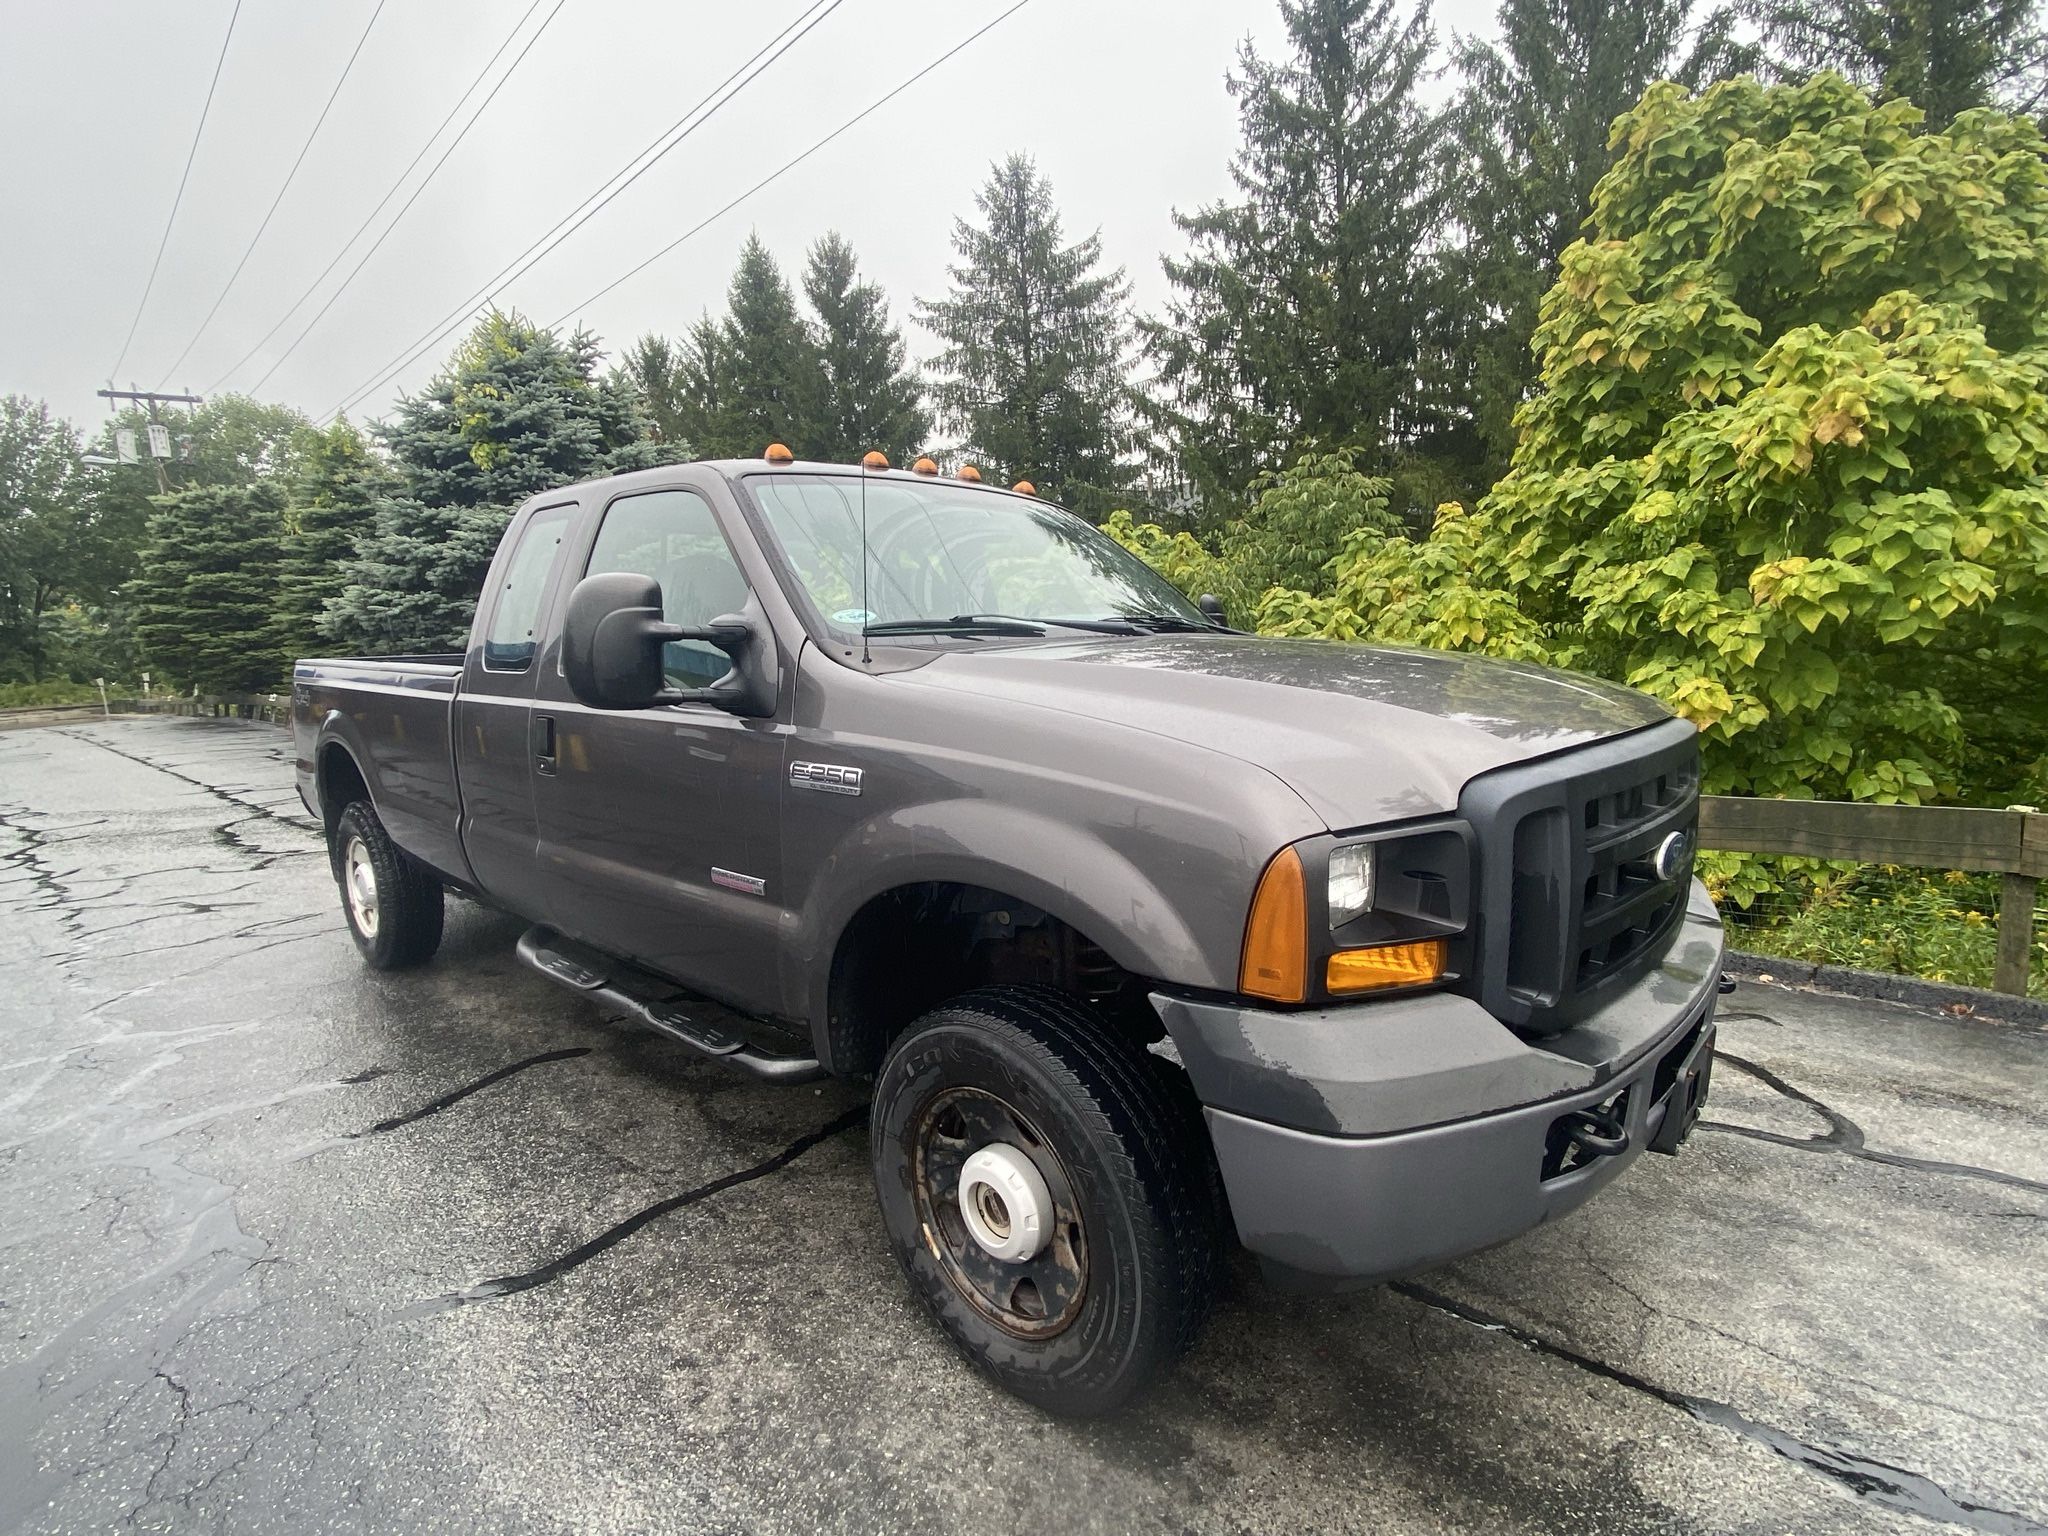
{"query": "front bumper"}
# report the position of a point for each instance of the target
(1363, 1143)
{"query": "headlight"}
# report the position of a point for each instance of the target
(1351, 882)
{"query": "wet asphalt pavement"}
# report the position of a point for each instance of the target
(292, 1246)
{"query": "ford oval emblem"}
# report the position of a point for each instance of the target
(1672, 856)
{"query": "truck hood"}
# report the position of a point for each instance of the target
(1364, 734)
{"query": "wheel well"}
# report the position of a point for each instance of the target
(341, 784)
(910, 948)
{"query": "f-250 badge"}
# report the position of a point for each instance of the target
(831, 778)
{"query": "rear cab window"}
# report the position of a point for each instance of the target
(511, 638)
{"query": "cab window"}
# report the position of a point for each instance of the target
(509, 642)
(673, 537)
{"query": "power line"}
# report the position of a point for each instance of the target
(406, 207)
(781, 170)
(790, 164)
(592, 204)
(256, 239)
(391, 192)
(190, 155)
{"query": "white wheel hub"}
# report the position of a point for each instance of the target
(1004, 1202)
(359, 882)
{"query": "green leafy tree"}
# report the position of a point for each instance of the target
(1789, 466)
(1304, 520)
(333, 498)
(47, 534)
(515, 410)
(206, 598)
(870, 397)
(1945, 56)
(1307, 311)
(1531, 125)
(1032, 375)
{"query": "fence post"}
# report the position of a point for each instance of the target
(2015, 933)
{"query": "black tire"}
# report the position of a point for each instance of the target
(1098, 1118)
(399, 924)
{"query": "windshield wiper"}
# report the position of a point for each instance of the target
(1166, 624)
(959, 624)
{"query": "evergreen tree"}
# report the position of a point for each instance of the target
(515, 410)
(1033, 374)
(1945, 56)
(47, 543)
(1532, 124)
(332, 504)
(654, 366)
(871, 398)
(770, 388)
(205, 603)
(1305, 310)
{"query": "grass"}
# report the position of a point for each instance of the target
(32, 695)
(1880, 917)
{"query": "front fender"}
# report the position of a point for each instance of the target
(1059, 868)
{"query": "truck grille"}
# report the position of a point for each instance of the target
(1571, 905)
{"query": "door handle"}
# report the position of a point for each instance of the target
(544, 744)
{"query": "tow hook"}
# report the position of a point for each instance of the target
(1596, 1132)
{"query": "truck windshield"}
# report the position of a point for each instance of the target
(939, 551)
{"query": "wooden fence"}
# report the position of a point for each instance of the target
(2011, 843)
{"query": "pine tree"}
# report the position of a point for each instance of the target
(332, 504)
(871, 397)
(206, 600)
(1033, 377)
(1532, 123)
(769, 387)
(1305, 310)
(1945, 56)
(515, 410)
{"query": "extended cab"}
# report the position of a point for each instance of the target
(1145, 929)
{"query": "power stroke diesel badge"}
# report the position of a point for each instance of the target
(831, 778)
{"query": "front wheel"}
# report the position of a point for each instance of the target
(393, 903)
(1049, 1193)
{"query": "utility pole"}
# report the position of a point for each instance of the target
(153, 399)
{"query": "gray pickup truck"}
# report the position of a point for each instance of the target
(1145, 929)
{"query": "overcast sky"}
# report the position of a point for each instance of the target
(1123, 105)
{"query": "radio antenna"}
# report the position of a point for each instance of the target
(874, 460)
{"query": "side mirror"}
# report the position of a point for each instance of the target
(1212, 608)
(612, 637)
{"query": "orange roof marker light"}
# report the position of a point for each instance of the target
(969, 472)
(874, 458)
(924, 467)
(1025, 488)
(778, 453)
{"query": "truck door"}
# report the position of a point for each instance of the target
(659, 833)
(493, 709)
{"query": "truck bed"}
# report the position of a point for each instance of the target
(395, 713)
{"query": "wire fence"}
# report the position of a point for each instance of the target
(1940, 925)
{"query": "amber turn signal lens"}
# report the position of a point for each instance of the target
(969, 472)
(778, 453)
(874, 459)
(1275, 962)
(924, 467)
(1388, 965)
(1025, 488)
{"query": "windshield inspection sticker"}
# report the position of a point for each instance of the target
(852, 616)
(829, 777)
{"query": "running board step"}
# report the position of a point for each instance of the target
(699, 1024)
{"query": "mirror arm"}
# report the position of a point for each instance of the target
(715, 694)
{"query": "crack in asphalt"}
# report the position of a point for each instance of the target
(1893, 1487)
(1845, 1136)
(612, 1236)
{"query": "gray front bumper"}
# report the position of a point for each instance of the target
(1367, 1142)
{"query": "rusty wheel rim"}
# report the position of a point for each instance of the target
(1037, 1297)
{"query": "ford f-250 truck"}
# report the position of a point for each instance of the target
(1144, 928)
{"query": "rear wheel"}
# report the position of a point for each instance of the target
(392, 902)
(1049, 1193)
